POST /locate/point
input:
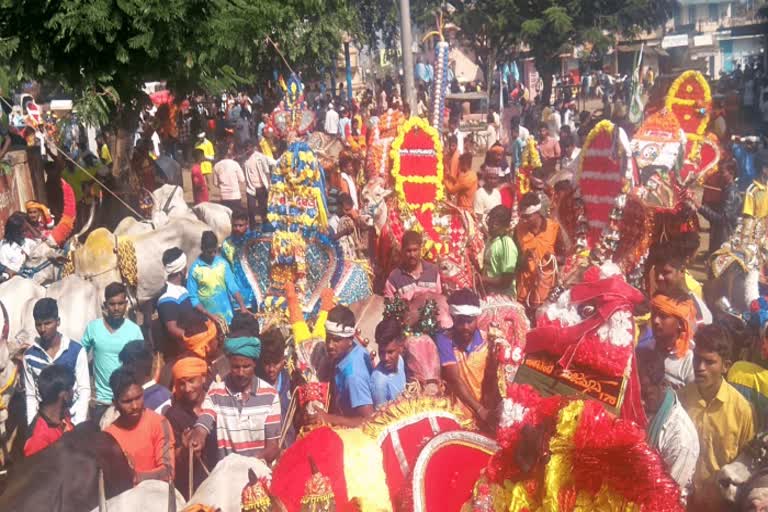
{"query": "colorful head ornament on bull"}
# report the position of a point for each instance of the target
(559, 454)
(292, 115)
(672, 147)
(583, 343)
(255, 497)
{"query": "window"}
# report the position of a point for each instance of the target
(712, 10)
(691, 15)
(677, 15)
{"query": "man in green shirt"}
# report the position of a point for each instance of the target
(500, 254)
(106, 337)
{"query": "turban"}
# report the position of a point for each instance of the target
(176, 265)
(246, 346)
(189, 367)
(34, 205)
(685, 311)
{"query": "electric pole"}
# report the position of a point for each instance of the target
(406, 41)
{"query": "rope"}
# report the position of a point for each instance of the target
(94, 178)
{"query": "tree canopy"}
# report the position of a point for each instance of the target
(102, 51)
(552, 29)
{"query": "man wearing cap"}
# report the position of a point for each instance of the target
(206, 167)
(242, 409)
(189, 380)
(465, 359)
(351, 398)
(331, 121)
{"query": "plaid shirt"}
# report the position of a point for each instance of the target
(243, 421)
(184, 127)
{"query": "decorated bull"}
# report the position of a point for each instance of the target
(452, 237)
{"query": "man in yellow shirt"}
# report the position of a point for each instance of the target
(206, 166)
(756, 196)
(723, 418)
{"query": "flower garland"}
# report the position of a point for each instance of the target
(402, 180)
(690, 95)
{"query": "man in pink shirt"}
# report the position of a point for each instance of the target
(227, 176)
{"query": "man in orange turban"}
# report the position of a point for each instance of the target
(672, 321)
(189, 376)
(39, 216)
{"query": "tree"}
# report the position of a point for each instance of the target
(102, 51)
(559, 25)
(490, 27)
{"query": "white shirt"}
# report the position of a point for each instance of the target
(227, 175)
(13, 255)
(678, 371)
(258, 168)
(460, 140)
(679, 447)
(553, 123)
(332, 122)
(485, 201)
(352, 188)
(33, 365)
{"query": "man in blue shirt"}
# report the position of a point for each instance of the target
(210, 281)
(232, 248)
(388, 378)
(351, 400)
(744, 154)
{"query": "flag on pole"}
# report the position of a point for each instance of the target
(636, 105)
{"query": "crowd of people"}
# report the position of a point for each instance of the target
(229, 389)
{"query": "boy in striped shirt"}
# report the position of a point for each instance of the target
(243, 409)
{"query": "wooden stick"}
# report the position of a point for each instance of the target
(191, 471)
(289, 418)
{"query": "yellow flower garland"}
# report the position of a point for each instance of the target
(436, 180)
(531, 157)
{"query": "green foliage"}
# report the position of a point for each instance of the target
(494, 29)
(91, 47)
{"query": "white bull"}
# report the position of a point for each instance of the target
(148, 496)
(78, 300)
(225, 484)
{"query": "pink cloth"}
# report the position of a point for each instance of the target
(227, 175)
(549, 148)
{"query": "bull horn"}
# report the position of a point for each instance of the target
(89, 222)
(167, 205)
(102, 493)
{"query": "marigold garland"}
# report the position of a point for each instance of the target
(436, 180)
